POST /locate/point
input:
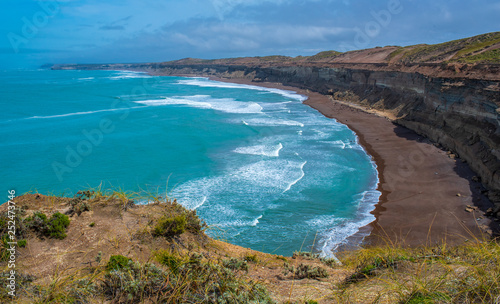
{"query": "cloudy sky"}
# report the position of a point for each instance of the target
(98, 31)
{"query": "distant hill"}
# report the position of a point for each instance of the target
(483, 48)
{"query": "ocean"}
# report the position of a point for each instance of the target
(261, 169)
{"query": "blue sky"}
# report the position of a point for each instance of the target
(98, 31)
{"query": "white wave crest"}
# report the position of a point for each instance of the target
(273, 122)
(271, 151)
(298, 179)
(129, 75)
(81, 113)
(205, 82)
(227, 105)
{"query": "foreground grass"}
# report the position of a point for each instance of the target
(464, 274)
(164, 256)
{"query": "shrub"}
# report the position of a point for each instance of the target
(170, 226)
(306, 272)
(171, 261)
(251, 258)
(56, 227)
(117, 262)
(4, 254)
(235, 264)
(193, 283)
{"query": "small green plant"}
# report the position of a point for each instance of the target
(168, 259)
(92, 224)
(55, 227)
(118, 262)
(251, 258)
(427, 298)
(170, 226)
(304, 271)
(22, 243)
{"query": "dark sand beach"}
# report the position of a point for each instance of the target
(425, 192)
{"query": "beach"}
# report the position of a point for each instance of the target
(425, 190)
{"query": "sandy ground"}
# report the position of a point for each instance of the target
(425, 192)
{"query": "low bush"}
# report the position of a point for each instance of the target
(117, 262)
(57, 224)
(235, 264)
(193, 282)
(304, 271)
(54, 227)
(170, 260)
(251, 258)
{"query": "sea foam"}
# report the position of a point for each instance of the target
(264, 150)
(205, 82)
(227, 105)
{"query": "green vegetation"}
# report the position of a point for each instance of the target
(467, 50)
(6, 224)
(315, 256)
(177, 220)
(190, 268)
(395, 53)
(275, 58)
(126, 281)
(117, 262)
(170, 226)
(305, 271)
(479, 43)
(323, 55)
(492, 56)
(193, 282)
(170, 260)
(251, 258)
(235, 264)
(464, 274)
(22, 243)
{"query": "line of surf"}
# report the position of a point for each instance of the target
(205, 82)
(82, 113)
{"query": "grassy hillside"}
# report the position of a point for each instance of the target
(102, 248)
(478, 49)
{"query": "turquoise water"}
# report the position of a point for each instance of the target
(262, 169)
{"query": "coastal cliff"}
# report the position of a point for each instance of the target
(449, 93)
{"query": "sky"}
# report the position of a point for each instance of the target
(40, 32)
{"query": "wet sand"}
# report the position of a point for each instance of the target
(424, 191)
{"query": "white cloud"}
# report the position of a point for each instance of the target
(231, 36)
(224, 7)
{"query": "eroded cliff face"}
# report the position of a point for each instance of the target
(461, 114)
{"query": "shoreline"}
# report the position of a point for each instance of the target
(424, 192)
